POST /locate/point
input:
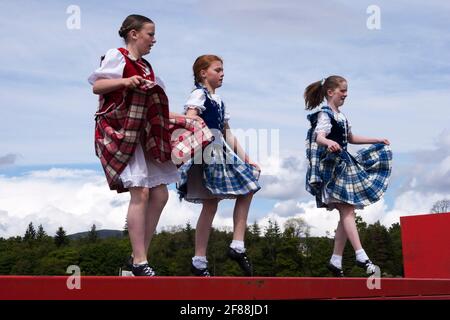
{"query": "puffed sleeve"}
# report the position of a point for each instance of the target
(226, 113)
(111, 67)
(196, 101)
(323, 123)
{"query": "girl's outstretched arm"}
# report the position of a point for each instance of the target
(236, 147)
(353, 139)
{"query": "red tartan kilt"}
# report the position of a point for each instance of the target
(108, 126)
(144, 118)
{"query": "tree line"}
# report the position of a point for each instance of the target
(289, 253)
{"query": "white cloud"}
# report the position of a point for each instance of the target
(283, 176)
(321, 221)
(61, 173)
(324, 222)
(287, 208)
(411, 203)
(76, 199)
(429, 170)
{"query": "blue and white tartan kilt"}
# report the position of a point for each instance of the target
(358, 180)
(225, 175)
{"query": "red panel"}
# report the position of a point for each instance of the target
(426, 245)
(218, 288)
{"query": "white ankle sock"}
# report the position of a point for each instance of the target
(336, 261)
(361, 255)
(238, 246)
(140, 263)
(200, 262)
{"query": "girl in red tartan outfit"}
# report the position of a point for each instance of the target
(123, 72)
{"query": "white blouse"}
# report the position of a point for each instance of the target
(324, 122)
(197, 100)
(112, 68)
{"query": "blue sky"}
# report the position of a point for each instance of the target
(398, 80)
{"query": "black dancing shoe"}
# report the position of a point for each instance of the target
(200, 272)
(142, 270)
(368, 266)
(242, 260)
(337, 272)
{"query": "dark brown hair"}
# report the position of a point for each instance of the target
(202, 63)
(317, 91)
(132, 22)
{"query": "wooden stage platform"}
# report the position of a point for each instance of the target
(218, 288)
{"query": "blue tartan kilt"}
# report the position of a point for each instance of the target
(225, 175)
(359, 180)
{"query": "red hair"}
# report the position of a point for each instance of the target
(202, 63)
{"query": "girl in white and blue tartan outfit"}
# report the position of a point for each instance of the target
(225, 171)
(336, 178)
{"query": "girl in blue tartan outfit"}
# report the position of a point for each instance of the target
(336, 178)
(225, 170)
